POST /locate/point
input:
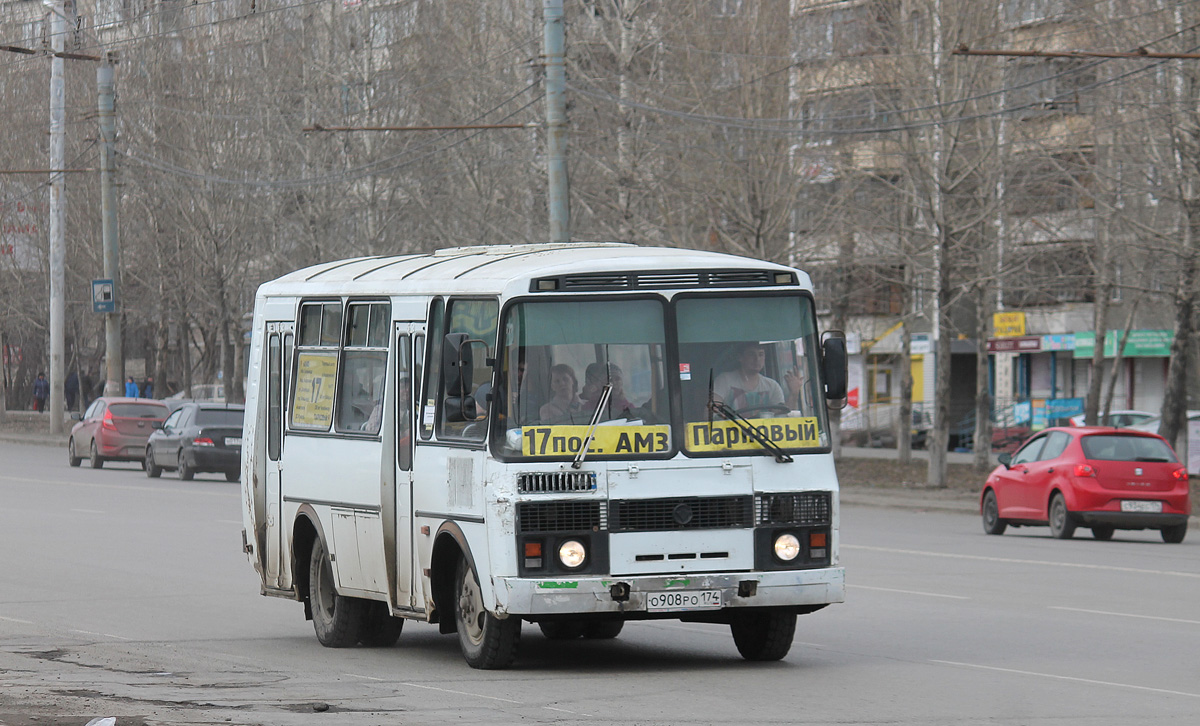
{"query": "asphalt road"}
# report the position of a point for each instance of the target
(129, 597)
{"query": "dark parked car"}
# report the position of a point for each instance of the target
(198, 437)
(1102, 478)
(114, 429)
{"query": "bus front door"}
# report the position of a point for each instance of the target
(398, 547)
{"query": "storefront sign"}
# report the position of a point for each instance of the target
(1027, 344)
(1058, 342)
(1009, 325)
(1141, 343)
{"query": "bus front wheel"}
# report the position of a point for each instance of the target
(764, 634)
(337, 619)
(487, 642)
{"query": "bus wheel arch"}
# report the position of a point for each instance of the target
(449, 546)
(306, 530)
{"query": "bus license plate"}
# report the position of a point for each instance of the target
(233, 441)
(1140, 505)
(683, 600)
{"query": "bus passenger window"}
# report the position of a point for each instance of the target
(360, 399)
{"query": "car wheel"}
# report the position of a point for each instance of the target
(1062, 525)
(232, 475)
(763, 634)
(1175, 533)
(94, 459)
(487, 642)
(992, 524)
(72, 458)
(561, 629)
(379, 628)
(1103, 532)
(153, 470)
(186, 473)
(338, 620)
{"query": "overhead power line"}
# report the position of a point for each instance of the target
(1139, 53)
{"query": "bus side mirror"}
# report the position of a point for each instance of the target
(833, 363)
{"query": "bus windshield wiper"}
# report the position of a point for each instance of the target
(591, 432)
(750, 430)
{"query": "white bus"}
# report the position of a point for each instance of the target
(568, 435)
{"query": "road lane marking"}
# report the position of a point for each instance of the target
(16, 620)
(1068, 678)
(369, 678)
(1126, 615)
(910, 592)
(102, 635)
(125, 487)
(563, 710)
(1015, 561)
(462, 693)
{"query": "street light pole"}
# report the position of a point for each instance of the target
(114, 358)
(58, 32)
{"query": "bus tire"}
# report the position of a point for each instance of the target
(561, 629)
(603, 629)
(487, 642)
(763, 635)
(338, 620)
(379, 628)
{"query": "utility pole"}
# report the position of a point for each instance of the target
(114, 359)
(58, 33)
(556, 120)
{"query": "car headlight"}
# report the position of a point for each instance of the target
(572, 554)
(787, 547)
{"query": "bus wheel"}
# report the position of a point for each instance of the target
(764, 634)
(603, 630)
(337, 619)
(561, 629)
(380, 629)
(487, 642)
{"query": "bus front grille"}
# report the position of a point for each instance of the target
(806, 508)
(534, 517)
(649, 515)
(552, 482)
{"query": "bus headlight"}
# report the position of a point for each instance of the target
(573, 554)
(787, 547)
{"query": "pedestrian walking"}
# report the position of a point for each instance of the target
(131, 388)
(148, 387)
(71, 389)
(41, 392)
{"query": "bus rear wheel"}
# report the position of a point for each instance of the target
(337, 619)
(487, 642)
(379, 628)
(763, 634)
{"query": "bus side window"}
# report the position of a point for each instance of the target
(274, 398)
(477, 320)
(429, 386)
(364, 366)
(404, 409)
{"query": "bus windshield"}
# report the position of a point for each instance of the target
(571, 364)
(753, 358)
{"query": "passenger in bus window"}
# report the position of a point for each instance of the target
(564, 405)
(747, 388)
(596, 375)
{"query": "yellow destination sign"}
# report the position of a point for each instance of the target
(568, 440)
(316, 374)
(786, 433)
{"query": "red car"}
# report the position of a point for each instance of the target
(1101, 478)
(115, 429)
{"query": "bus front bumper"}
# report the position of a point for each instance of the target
(672, 595)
